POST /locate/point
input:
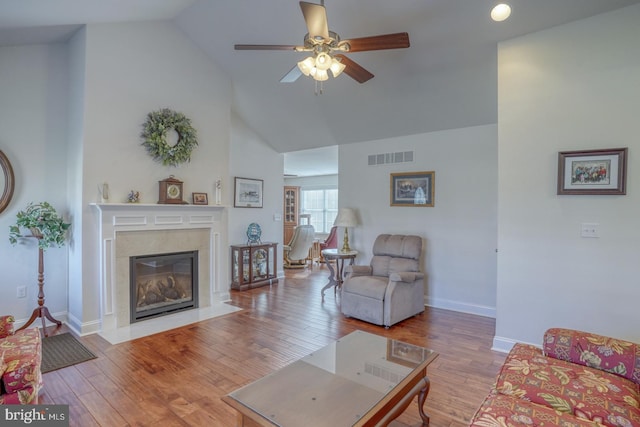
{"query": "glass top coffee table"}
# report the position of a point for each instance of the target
(362, 379)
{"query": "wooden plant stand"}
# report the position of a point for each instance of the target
(41, 311)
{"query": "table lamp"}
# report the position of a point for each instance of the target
(346, 218)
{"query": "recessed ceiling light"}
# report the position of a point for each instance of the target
(500, 12)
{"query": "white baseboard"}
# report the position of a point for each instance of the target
(505, 345)
(463, 307)
(80, 328)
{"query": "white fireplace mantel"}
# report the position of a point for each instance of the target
(120, 218)
(148, 216)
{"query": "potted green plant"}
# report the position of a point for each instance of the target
(43, 222)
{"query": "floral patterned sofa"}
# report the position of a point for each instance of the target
(577, 379)
(20, 359)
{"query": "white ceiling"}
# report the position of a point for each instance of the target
(446, 79)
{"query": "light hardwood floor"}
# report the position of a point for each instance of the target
(176, 378)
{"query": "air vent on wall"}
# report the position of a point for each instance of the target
(385, 158)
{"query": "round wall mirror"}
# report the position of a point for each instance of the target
(6, 182)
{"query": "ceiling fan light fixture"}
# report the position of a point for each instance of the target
(323, 61)
(337, 67)
(320, 75)
(307, 65)
(500, 12)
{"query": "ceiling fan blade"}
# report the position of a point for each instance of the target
(264, 47)
(386, 41)
(292, 75)
(315, 16)
(354, 70)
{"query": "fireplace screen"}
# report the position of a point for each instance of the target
(163, 284)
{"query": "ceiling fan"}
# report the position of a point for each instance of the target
(327, 49)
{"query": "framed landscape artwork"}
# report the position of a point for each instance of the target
(593, 171)
(248, 193)
(412, 189)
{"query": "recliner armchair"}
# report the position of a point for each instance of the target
(391, 288)
(296, 252)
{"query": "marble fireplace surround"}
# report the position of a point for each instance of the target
(127, 229)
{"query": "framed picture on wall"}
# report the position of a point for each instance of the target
(248, 193)
(601, 171)
(412, 189)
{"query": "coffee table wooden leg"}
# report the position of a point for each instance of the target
(421, 398)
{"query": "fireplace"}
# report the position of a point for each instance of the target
(161, 284)
(134, 229)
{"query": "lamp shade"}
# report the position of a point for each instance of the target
(346, 218)
(323, 61)
(306, 65)
(337, 67)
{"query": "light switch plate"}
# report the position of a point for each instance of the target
(590, 230)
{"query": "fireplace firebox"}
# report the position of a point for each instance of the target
(163, 284)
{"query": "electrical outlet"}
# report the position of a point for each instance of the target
(22, 292)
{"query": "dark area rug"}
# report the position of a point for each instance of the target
(60, 351)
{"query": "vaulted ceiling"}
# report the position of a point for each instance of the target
(446, 79)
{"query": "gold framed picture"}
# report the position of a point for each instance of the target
(412, 189)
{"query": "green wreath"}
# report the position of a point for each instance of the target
(154, 133)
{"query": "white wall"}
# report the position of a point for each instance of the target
(459, 232)
(251, 157)
(33, 125)
(573, 87)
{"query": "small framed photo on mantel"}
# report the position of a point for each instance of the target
(200, 198)
(602, 171)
